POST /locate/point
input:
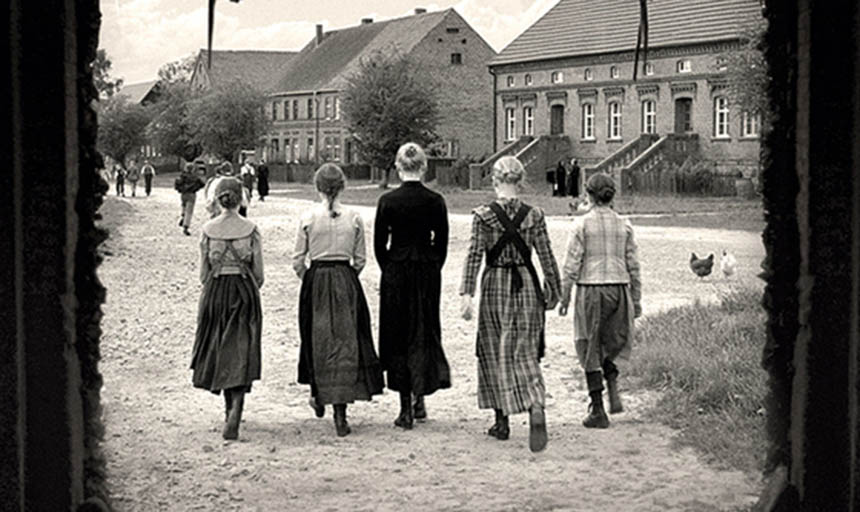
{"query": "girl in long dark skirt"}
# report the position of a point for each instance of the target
(226, 353)
(411, 242)
(601, 259)
(511, 315)
(337, 357)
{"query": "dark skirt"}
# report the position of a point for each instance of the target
(336, 357)
(229, 325)
(263, 185)
(410, 333)
(603, 324)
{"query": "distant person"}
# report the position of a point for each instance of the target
(573, 178)
(119, 172)
(224, 170)
(247, 173)
(560, 173)
(148, 172)
(410, 239)
(601, 261)
(337, 358)
(187, 184)
(263, 179)
(132, 176)
(227, 346)
(512, 311)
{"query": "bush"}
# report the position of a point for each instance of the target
(705, 358)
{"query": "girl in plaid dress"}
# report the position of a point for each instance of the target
(511, 311)
(601, 259)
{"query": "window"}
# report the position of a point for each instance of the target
(588, 75)
(452, 30)
(311, 154)
(295, 109)
(683, 66)
(274, 149)
(557, 77)
(649, 69)
(287, 148)
(310, 108)
(275, 106)
(613, 72)
(528, 121)
(649, 116)
(328, 107)
(721, 64)
(510, 81)
(328, 149)
(286, 109)
(510, 123)
(614, 120)
(588, 121)
(750, 124)
(528, 80)
(721, 117)
(456, 58)
(336, 149)
(295, 149)
(337, 108)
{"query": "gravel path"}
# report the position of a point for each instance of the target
(163, 439)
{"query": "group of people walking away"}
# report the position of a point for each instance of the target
(132, 175)
(337, 358)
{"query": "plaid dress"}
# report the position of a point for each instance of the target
(510, 324)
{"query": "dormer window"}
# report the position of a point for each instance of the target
(588, 75)
(528, 79)
(557, 77)
(510, 81)
(613, 72)
(684, 66)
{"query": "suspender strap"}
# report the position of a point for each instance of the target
(512, 236)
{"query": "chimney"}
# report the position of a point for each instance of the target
(420, 10)
(366, 21)
(319, 34)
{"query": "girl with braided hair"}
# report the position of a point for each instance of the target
(336, 358)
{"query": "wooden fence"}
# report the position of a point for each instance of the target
(663, 181)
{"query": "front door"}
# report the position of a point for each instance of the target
(556, 125)
(683, 115)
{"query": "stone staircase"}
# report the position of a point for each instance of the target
(536, 154)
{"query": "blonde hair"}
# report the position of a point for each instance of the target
(411, 158)
(509, 169)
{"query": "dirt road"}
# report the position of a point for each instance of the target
(163, 438)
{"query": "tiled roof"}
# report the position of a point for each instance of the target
(326, 67)
(255, 67)
(583, 27)
(137, 92)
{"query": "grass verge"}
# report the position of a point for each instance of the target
(705, 360)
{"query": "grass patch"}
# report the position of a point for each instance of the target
(705, 360)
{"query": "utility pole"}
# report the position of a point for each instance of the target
(316, 103)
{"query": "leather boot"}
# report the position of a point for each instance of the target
(597, 417)
(537, 428)
(228, 403)
(419, 412)
(319, 409)
(340, 424)
(405, 418)
(501, 430)
(231, 429)
(615, 405)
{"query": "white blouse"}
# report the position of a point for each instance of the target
(323, 237)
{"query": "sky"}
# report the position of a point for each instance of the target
(142, 35)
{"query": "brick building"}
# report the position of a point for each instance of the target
(571, 74)
(305, 102)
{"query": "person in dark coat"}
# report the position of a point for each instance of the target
(187, 184)
(411, 242)
(148, 172)
(263, 180)
(573, 179)
(560, 173)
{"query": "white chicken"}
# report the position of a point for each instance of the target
(728, 263)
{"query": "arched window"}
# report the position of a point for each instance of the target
(588, 121)
(588, 75)
(510, 81)
(557, 77)
(683, 66)
(528, 79)
(721, 117)
(614, 120)
(649, 69)
(613, 72)
(510, 124)
(649, 116)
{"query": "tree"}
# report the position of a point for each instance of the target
(389, 101)
(101, 75)
(122, 127)
(171, 129)
(747, 72)
(227, 119)
(178, 71)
